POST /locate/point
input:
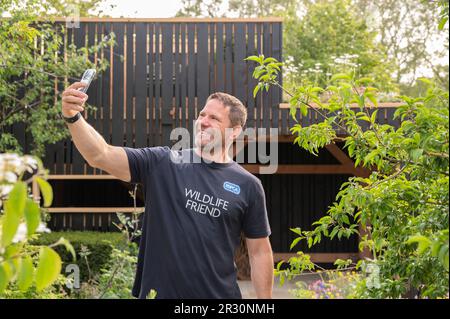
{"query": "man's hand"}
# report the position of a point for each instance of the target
(73, 100)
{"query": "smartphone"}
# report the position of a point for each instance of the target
(87, 78)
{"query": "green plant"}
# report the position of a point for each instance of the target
(32, 73)
(25, 268)
(93, 250)
(405, 198)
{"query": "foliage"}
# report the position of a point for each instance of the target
(404, 200)
(93, 249)
(331, 285)
(32, 71)
(61, 8)
(332, 36)
(31, 269)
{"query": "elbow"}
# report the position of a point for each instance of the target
(96, 161)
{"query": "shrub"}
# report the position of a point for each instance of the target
(96, 247)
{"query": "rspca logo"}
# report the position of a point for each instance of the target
(232, 188)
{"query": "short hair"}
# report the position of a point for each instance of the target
(238, 112)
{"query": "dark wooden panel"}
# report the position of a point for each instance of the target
(140, 85)
(229, 58)
(91, 116)
(202, 65)
(178, 79)
(239, 63)
(183, 76)
(130, 85)
(267, 103)
(212, 62)
(106, 89)
(167, 91)
(157, 82)
(78, 162)
(117, 138)
(220, 49)
(276, 92)
(251, 82)
(191, 76)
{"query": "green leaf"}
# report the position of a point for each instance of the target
(423, 242)
(48, 269)
(442, 23)
(25, 275)
(46, 190)
(4, 277)
(304, 109)
(253, 58)
(14, 208)
(32, 216)
(295, 242)
(269, 60)
(255, 90)
(373, 118)
(68, 245)
(415, 154)
(297, 230)
(341, 76)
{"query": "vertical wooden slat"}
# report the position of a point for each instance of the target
(202, 65)
(212, 62)
(251, 82)
(229, 58)
(191, 76)
(167, 81)
(118, 83)
(276, 92)
(183, 76)
(78, 162)
(99, 85)
(130, 85)
(220, 75)
(259, 48)
(140, 85)
(266, 96)
(177, 74)
(239, 63)
(106, 85)
(152, 129)
(157, 105)
(91, 116)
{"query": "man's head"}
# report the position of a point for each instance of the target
(220, 121)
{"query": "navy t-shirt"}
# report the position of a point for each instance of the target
(194, 214)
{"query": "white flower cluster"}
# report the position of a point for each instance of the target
(290, 67)
(11, 167)
(346, 60)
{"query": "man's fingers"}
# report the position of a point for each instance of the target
(77, 85)
(73, 92)
(73, 107)
(73, 99)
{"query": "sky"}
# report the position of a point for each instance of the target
(142, 8)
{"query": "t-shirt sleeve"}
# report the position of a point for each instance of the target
(256, 221)
(142, 161)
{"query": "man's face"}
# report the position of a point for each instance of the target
(211, 124)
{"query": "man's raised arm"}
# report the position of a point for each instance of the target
(88, 141)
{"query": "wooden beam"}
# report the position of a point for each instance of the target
(354, 105)
(339, 154)
(303, 169)
(80, 176)
(94, 210)
(170, 20)
(317, 257)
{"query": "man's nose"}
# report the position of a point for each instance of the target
(204, 122)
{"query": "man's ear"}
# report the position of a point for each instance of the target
(237, 130)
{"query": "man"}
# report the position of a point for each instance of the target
(197, 202)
